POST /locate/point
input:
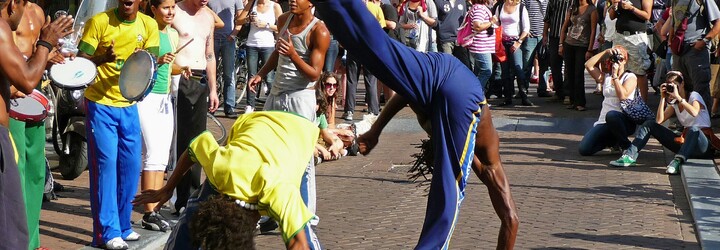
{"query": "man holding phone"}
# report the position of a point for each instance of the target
(632, 34)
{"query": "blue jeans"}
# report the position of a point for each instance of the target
(696, 143)
(511, 68)
(483, 67)
(529, 49)
(331, 55)
(256, 55)
(613, 132)
(226, 50)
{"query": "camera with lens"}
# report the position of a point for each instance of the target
(616, 58)
(670, 88)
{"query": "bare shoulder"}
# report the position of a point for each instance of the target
(208, 14)
(283, 17)
(320, 30)
(36, 10)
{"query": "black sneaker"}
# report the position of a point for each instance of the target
(267, 226)
(230, 113)
(154, 221)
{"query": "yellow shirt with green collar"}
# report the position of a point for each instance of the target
(107, 28)
(263, 162)
(377, 12)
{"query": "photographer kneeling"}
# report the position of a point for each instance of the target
(613, 126)
(696, 141)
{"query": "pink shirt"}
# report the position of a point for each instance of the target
(483, 43)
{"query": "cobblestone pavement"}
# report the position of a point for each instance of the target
(564, 201)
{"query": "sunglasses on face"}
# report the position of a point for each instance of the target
(328, 85)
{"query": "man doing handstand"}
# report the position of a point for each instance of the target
(442, 89)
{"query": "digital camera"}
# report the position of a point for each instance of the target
(616, 58)
(670, 88)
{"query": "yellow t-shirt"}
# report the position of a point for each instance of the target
(263, 163)
(377, 12)
(100, 32)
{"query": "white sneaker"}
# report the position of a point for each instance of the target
(249, 109)
(133, 237)
(116, 243)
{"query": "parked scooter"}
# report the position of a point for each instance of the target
(68, 132)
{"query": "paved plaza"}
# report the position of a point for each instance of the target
(564, 201)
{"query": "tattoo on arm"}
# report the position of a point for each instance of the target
(210, 56)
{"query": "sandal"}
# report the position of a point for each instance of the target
(580, 108)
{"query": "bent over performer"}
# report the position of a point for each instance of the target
(259, 170)
(442, 89)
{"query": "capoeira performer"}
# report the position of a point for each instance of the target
(258, 172)
(442, 89)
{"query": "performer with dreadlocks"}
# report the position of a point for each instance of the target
(442, 89)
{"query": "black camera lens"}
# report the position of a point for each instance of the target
(670, 88)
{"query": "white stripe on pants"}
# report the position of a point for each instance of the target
(156, 123)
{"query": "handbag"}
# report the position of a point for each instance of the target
(500, 55)
(636, 109)
(677, 42)
(244, 32)
(466, 35)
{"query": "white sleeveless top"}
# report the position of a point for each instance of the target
(702, 120)
(287, 77)
(611, 102)
(260, 37)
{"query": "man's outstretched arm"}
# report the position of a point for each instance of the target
(163, 195)
(369, 139)
(493, 176)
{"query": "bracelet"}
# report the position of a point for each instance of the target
(44, 44)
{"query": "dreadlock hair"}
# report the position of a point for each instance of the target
(220, 224)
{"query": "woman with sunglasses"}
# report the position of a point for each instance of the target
(328, 83)
(613, 126)
(697, 140)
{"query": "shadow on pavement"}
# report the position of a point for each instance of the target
(629, 240)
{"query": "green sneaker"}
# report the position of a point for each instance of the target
(624, 161)
(673, 167)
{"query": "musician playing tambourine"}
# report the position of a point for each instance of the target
(114, 140)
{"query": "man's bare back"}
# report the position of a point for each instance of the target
(193, 25)
(28, 31)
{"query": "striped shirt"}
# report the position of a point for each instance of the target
(536, 11)
(555, 16)
(483, 43)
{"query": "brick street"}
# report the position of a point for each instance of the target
(564, 201)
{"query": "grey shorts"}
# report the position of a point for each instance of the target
(301, 102)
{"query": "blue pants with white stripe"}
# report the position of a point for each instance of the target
(114, 153)
(440, 85)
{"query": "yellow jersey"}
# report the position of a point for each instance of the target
(263, 162)
(101, 31)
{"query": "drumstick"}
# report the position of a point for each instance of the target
(186, 44)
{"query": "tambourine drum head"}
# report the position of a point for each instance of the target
(136, 75)
(32, 108)
(74, 74)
